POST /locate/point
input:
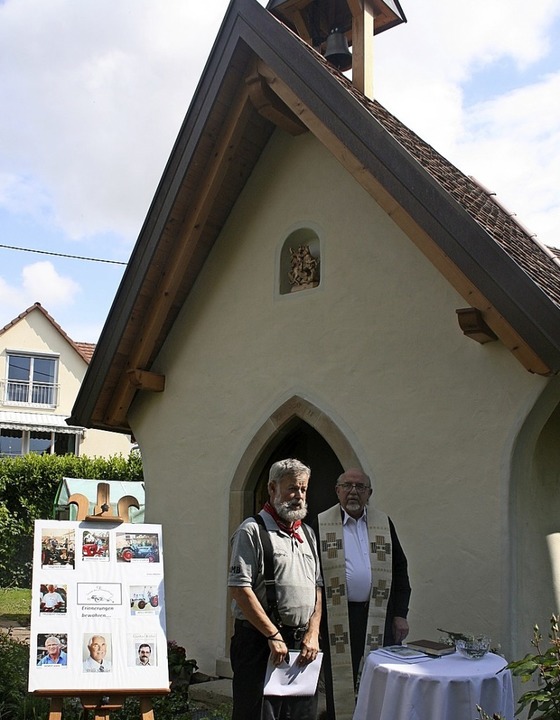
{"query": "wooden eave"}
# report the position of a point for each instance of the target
(218, 146)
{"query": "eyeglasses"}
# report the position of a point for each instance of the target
(358, 487)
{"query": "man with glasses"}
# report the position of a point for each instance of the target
(366, 587)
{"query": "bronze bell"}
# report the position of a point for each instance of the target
(337, 51)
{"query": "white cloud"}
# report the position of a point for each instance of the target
(96, 94)
(511, 142)
(12, 301)
(94, 98)
(39, 282)
(43, 282)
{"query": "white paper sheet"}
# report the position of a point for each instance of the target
(293, 679)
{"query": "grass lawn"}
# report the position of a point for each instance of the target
(15, 605)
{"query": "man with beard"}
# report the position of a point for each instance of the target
(262, 632)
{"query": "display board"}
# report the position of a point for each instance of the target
(98, 608)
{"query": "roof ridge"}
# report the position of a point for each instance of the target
(501, 224)
(82, 352)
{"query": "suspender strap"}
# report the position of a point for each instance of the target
(268, 562)
(269, 582)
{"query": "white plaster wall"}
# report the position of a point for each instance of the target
(100, 443)
(377, 346)
(34, 333)
(536, 509)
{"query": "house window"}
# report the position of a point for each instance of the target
(31, 380)
(21, 442)
(11, 442)
(40, 443)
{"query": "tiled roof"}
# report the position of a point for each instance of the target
(539, 262)
(86, 350)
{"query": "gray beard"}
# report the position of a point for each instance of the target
(287, 514)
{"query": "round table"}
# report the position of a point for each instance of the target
(445, 688)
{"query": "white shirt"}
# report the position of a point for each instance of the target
(52, 599)
(90, 665)
(356, 552)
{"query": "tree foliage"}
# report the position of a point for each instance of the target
(28, 485)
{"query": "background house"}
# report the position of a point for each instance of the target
(41, 370)
(425, 348)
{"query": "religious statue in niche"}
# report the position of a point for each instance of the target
(304, 271)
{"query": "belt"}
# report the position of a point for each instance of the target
(287, 631)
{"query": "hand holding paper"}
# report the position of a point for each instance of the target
(291, 678)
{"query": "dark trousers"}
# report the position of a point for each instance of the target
(249, 653)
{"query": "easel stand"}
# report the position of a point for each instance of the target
(102, 704)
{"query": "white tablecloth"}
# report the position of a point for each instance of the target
(446, 688)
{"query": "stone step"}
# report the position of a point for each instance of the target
(218, 692)
(212, 693)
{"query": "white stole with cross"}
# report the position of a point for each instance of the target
(331, 545)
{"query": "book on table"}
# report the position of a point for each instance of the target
(431, 647)
(403, 653)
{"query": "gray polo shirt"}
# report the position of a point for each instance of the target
(296, 570)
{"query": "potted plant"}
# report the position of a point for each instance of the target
(544, 666)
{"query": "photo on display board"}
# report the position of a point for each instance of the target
(97, 652)
(52, 598)
(137, 547)
(58, 547)
(95, 545)
(52, 650)
(142, 650)
(144, 599)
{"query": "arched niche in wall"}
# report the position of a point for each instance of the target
(300, 261)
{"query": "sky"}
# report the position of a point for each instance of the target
(93, 93)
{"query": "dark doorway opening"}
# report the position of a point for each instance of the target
(299, 440)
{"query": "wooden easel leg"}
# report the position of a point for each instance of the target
(146, 708)
(101, 714)
(55, 710)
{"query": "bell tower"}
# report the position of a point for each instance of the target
(333, 26)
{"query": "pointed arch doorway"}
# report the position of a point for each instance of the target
(297, 429)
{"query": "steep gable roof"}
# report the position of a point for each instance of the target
(84, 350)
(260, 75)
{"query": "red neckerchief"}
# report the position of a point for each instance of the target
(292, 529)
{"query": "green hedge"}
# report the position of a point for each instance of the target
(28, 485)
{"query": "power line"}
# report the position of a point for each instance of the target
(63, 255)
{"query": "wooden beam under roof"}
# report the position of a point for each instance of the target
(146, 380)
(269, 105)
(187, 237)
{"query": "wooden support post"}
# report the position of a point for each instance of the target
(146, 708)
(55, 711)
(102, 704)
(362, 48)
